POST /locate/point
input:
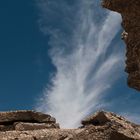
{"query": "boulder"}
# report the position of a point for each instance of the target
(99, 118)
(25, 116)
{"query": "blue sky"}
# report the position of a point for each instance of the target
(24, 62)
(28, 31)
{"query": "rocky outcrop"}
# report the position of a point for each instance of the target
(26, 120)
(129, 9)
(38, 126)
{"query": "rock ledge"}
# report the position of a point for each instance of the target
(31, 125)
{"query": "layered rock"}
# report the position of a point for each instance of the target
(115, 126)
(37, 126)
(26, 120)
(129, 9)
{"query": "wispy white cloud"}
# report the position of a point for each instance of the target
(80, 40)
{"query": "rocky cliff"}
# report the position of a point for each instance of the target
(130, 12)
(31, 125)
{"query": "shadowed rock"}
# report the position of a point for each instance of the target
(99, 118)
(25, 116)
(99, 126)
(26, 120)
(130, 12)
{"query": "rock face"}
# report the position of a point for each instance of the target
(130, 11)
(37, 126)
(26, 120)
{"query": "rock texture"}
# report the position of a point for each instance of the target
(130, 11)
(26, 120)
(37, 126)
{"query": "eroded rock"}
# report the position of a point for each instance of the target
(129, 10)
(99, 118)
(25, 116)
(22, 126)
(99, 126)
(26, 120)
(119, 136)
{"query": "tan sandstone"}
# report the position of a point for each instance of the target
(99, 126)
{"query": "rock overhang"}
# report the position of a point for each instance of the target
(129, 10)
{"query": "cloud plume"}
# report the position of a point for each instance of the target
(81, 33)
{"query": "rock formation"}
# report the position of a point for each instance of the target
(130, 12)
(26, 120)
(31, 125)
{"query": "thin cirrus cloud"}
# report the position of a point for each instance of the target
(81, 33)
